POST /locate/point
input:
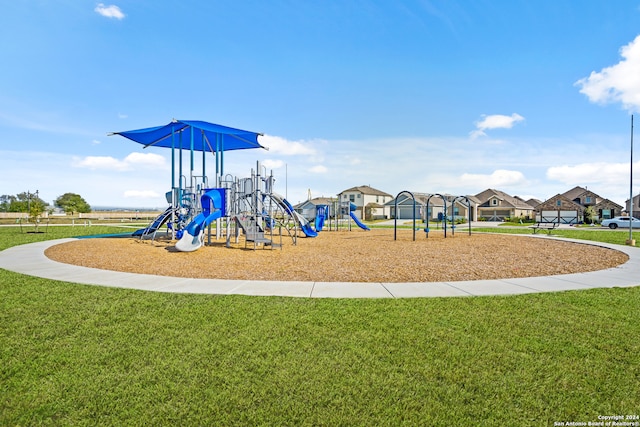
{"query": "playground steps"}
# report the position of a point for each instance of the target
(252, 231)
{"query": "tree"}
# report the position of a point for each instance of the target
(21, 202)
(36, 209)
(72, 203)
(5, 202)
(589, 215)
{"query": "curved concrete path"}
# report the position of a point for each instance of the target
(29, 259)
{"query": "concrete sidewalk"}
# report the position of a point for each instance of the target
(30, 260)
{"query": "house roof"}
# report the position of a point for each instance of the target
(510, 201)
(608, 203)
(421, 199)
(366, 190)
(316, 201)
(574, 193)
(474, 199)
(550, 204)
(533, 202)
(374, 205)
(323, 200)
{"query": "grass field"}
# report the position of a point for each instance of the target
(618, 237)
(82, 355)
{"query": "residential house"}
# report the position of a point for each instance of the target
(496, 205)
(567, 213)
(369, 202)
(560, 209)
(636, 206)
(604, 208)
(407, 208)
(308, 209)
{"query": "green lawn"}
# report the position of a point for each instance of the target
(618, 237)
(83, 355)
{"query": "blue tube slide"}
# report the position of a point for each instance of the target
(321, 216)
(193, 237)
(352, 207)
(308, 230)
(159, 222)
(357, 221)
(304, 224)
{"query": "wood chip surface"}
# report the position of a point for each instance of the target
(348, 256)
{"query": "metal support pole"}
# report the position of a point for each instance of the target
(630, 241)
(180, 170)
(204, 159)
(173, 183)
(191, 161)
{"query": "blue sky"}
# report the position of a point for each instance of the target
(528, 97)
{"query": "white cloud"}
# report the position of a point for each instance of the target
(617, 83)
(609, 180)
(281, 145)
(131, 162)
(96, 142)
(111, 11)
(588, 173)
(141, 194)
(499, 178)
(151, 160)
(495, 121)
(272, 164)
(318, 169)
(99, 162)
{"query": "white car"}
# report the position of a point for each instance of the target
(621, 221)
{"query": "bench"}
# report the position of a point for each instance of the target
(546, 226)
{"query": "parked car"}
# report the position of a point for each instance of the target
(621, 221)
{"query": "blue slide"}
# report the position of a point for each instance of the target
(357, 221)
(305, 226)
(159, 222)
(321, 216)
(352, 207)
(193, 237)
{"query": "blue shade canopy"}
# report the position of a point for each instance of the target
(194, 135)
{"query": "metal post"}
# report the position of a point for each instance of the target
(630, 241)
(204, 159)
(191, 162)
(180, 170)
(218, 174)
(173, 183)
(221, 155)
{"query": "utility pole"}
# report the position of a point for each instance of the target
(631, 241)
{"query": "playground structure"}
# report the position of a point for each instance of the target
(426, 213)
(247, 204)
(236, 204)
